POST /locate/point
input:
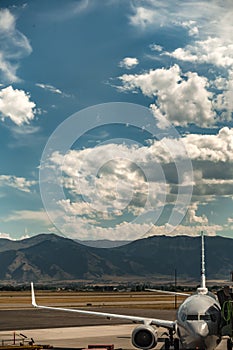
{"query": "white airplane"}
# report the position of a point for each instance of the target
(197, 325)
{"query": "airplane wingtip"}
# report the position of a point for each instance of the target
(33, 295)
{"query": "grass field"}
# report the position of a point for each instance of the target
(89, 299)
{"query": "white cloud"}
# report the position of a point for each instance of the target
(20, 183)
(7, 21)
(109, 180)
(81, 230)
(156, 47)
(8, 236)
(50, 88)
(183, 230)
(13, 46)
(212, 18)
(180, 98)
(213, 148)
(212, 27)
(68, 11)
(112, 178)
(129, 62)
(107, 187)
(16, 105)
(212, 50)
(193, 217)
(5, 235)
(223, 101)
(144, 17)
(27, 215)
(192, 28)
(24, 131)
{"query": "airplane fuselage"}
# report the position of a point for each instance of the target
(198, 322)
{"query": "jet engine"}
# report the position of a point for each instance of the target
(144, 337)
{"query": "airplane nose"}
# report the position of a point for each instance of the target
(199, 329)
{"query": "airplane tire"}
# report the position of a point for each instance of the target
(167, 344)
(176, 344)
(229, 344)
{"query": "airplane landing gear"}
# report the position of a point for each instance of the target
(176, 344)
(229, 344)
(171, 341)
(167, 344)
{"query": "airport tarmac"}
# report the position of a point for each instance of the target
(82, 337)
(71, 330)
(47, 327)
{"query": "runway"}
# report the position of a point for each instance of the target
(32, 318)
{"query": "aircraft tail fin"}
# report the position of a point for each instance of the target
(203, 289)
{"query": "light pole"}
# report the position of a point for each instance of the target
(175, 289)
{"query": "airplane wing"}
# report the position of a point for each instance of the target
(136, 319)
(168, 292)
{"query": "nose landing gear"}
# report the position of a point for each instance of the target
(229, 344)
(171, 341)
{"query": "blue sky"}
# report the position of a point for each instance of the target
(116, 118)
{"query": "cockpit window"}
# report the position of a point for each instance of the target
(205, 317)
(192, 317)
(183, 317)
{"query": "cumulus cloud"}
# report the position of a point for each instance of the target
(110, 180)
(13, 46)
(183, 230)
(133, 231)
(8, 236)
(214, 148)
(117, 172)
(193, 217)
(20, 183)
(129, 62)
(5, 235)
(108, 188)
(210, 32)
(192, 27)
(180, 98)
(223, 101)
(212, 50)
(16, 105)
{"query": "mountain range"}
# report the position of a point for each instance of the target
(48, 257)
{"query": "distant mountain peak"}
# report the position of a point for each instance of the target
(49, 257)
